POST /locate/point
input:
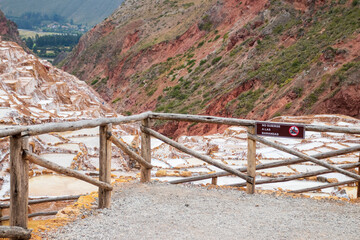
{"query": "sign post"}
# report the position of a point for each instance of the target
(272, 129)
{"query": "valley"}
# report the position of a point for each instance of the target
(284, 61)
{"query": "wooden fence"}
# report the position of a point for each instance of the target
(21, 155)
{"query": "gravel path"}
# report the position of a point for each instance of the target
(162, 211)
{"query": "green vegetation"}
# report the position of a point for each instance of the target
(200, 44)
(49, 46)
(217, 37)
(246, 101)
(206, 24)
(187, 5)
(311, 99)
(348, 73)
(288, 62)
(288, 105)
(216, 60)
(116, 100)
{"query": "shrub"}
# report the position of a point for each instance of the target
(94, 82)
(216, 60)
(202, 62)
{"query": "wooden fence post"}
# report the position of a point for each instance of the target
(19, 182)
(251, 161)
(145, 152)
(358, 183)
(214, 180)
(105, 165)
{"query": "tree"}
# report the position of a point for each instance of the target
(29, 42)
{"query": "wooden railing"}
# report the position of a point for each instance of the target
(21, 155)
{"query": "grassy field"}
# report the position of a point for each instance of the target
(28, 33)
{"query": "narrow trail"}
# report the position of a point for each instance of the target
(163, 211)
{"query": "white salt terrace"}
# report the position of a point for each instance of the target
(63, 160)
(231, 150)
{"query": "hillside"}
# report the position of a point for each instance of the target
(32, 91)
(88, 12)
(248, 59)
(9, 31)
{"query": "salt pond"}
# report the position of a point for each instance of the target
(55, 185)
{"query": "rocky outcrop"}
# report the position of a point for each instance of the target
(9, 31)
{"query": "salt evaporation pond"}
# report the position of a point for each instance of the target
(56, 185)
(61, 159)
(70, 146)
(91, 142)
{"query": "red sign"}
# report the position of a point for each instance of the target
(272, 129)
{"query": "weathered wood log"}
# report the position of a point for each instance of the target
(105, 165)
(14, 232)
(321, 128)
(294, 177)
(270, 165)
(358, 183)
(145, 151)
(45, 200)
(19, 182)
(38, 214)
(251, 161)
(70, 126)
(69, 172)
(123, 146)
(202, 119)
(195, 154)
(323, 186)
(244, 122)
(304, 156)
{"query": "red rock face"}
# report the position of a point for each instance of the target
(8, 30)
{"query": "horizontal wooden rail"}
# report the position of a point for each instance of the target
(38, 214)
(244, 122)
(271, 165)
(207, 159)
(323, 186)
(45, 200)
(69, 172)
(128, 151)
(72, 126)
(294, 177)
(304, 156)
(202, 119)
(14, 232)
(69, 126)
(320, 128)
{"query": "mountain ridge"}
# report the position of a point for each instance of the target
(81, 12)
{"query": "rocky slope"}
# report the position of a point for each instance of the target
(32, 91)
(9, 31)
(248, 59)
